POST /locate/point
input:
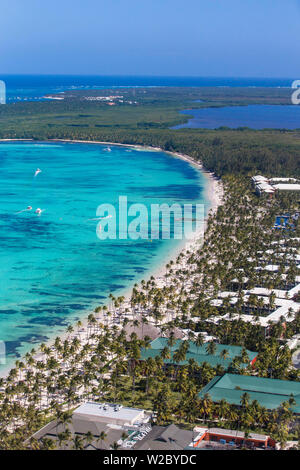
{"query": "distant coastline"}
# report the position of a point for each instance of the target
(35, 87)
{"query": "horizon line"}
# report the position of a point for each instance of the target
(146, 76)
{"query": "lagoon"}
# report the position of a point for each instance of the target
(252, 116)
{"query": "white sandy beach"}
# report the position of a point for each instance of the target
(214, 193)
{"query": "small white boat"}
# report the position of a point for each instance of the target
(28, 208)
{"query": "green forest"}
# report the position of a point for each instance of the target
(144, 116)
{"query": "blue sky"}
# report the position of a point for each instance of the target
(255, 38)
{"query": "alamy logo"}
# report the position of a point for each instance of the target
(296, 94)
(2, 92)
(136, 221)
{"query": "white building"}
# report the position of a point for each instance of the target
(287, 187)
(283, 307)
(264, 185)
(111, 414)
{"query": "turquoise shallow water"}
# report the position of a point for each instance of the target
(53, 266)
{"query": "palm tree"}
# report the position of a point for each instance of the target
(223, 409)
(101, 439)
(199, 342)
(211, 348)
(224, 354)
(205, 406)
(78, 443)
(89, 437)
(114, 446)
(245, 400)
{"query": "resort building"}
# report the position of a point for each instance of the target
(261, 311)
(266, 186)
(110, 414)
(283, 180)
(166, 438)
(294, 341)
(109, 425)
(269, 393)
(262, 186)
(148, 329)
(228, 439)
(279, 293)
(223, 356)
(287, 187)
(173, 438)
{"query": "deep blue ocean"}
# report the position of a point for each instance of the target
(54, 268)
(34, 87)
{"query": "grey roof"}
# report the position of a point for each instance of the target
(141, 331)
(166, 438)
(151, 436)
(169, 433)
(148, 329)
(79, 427)
(82, 426)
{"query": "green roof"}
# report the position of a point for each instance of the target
(270, 393)
(199, 353)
